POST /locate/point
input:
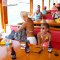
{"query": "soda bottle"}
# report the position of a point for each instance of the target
(7, 44)
(27, 50)
(50, 47)
(13, 54)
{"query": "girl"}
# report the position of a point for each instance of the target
(44, 36)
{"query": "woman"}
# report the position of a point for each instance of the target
(57, 14)
(44, 11)
(29, 26)
(37, 15)
(54, 7)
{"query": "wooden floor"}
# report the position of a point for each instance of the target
(44, 55)
(35, 56)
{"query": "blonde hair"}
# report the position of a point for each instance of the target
(24, 13)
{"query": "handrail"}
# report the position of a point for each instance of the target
(50, 22)
(51, 28)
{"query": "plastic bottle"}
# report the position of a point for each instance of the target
(50, 47)
(27, 50)
(13, 54)
(7, 44)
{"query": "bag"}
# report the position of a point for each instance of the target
(21, 35)
(11, 35)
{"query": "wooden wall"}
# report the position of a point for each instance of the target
(0, 11)
(3, 16)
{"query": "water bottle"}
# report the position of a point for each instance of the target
(13, 54)
(7, 44)
(27, 50)
(50, 47)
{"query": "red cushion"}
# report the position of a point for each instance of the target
(55, 34)
(55, 37)
(44, 16)
(14, 28)
(56, 45)
(49, 11)
(36, 30)
(53, 11)
(48, 16)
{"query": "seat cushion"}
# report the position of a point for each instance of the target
(56, 39)
(13, 28)
(55, 36)
(36, 30)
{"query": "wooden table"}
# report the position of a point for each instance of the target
(50, 22)
(21, 55)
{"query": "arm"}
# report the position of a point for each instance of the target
(41, 15)
(39, 39)
(22, 27)
(48, 37)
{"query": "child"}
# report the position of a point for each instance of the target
(44, 36)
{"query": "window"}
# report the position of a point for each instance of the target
(14, 7)
(35, 3)
(46, 3)
(58, 1)
(51, 3)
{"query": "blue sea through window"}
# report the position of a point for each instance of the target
(14, 7)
